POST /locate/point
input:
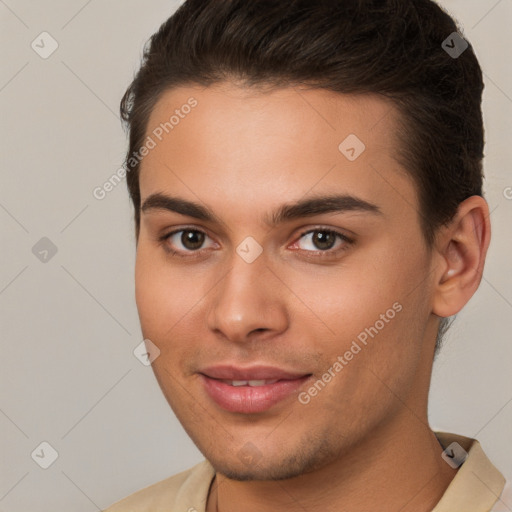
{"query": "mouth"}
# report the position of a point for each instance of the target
(250, 390)
(252, 383)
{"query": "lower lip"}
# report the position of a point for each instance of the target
(250, 399)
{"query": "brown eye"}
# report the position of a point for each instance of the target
(192, 240)
(322, 240)
(183, 241)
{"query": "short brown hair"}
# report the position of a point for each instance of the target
(391, 48)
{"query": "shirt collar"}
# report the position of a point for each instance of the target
(477, 483)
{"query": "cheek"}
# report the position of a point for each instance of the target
(155, 293)
(342, 301)
(165, 306)
(168, 297)
(378, 300)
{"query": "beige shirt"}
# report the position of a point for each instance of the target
(476, 486)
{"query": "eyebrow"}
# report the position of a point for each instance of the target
(307, 207)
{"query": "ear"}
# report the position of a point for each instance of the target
(460, 250)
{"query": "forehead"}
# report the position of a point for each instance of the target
(266, 112)
(267, 144)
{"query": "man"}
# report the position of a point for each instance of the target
(307, 183)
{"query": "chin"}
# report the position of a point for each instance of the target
(243, 474)
(282, 467)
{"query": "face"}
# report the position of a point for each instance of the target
(282, 273)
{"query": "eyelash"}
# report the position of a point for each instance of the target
(316, 254)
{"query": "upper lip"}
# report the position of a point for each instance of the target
(231, 372)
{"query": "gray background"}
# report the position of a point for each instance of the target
(70, 325)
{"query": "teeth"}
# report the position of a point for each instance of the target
(258, 382)
(253, 383)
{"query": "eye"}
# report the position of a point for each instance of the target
(323, 241)
(184, 240)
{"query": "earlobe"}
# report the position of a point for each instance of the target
(461, 255)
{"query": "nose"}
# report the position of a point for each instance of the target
(249, 302)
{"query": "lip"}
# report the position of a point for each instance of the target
(250, 399)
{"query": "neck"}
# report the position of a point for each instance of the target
(398, 467)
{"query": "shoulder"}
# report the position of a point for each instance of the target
(184, 491)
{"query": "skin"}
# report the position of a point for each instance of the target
(363, 442)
